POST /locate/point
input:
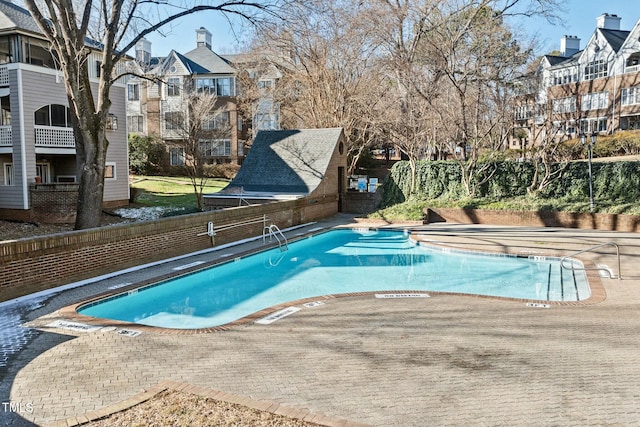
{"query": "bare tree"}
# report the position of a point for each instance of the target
(116, 25)
(202, 127)
(330, 78)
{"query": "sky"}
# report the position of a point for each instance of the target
(579, 18)
(181, 36)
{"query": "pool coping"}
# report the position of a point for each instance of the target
(70, 313)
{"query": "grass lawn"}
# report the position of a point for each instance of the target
(170, 191)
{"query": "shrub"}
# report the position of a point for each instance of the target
(225, 170)
(614, 183)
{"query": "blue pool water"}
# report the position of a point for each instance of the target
(337, 262)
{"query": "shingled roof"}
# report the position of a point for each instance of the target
(209, 60)
(286, 161)
(13, 17)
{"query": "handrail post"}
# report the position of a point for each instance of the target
(589, 249)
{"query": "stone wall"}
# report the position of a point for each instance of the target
(36, 264)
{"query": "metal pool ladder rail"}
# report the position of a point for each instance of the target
(273, 231)
(590, 249)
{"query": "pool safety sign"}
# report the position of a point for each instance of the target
(277, 315)
(402, 295)
(537, 305)
(73, 326)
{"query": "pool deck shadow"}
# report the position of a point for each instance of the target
(444, 360)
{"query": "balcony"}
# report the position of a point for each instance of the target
(5, 136)
(4, 75)
(54, 137)
(632, 69)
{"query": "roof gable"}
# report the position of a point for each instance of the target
(287, 161)
(189, 66)
(615, 38)
(209, 60)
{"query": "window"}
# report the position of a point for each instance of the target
(565, 76)
(215, 147)
(631, 95)
(594, 101)
(588, 126)
(98, 68)
(8, 173)
(265, 84)
(223, 86)
(218, 122)
(267, 121)
(135, 123)
(173, 86)
(564, 105)
(133, 92)
(523, 112)
(565, 128)
(110, 170)
(596, 69)
(112, 122)
(173, 120)
(53, 115)
(177, 156)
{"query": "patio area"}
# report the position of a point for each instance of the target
(443, 360)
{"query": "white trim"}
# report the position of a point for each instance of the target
(25, 185)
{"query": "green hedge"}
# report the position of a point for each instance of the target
(617, 182)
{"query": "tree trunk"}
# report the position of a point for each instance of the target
(91, 155)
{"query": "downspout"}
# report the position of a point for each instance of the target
(23, 157)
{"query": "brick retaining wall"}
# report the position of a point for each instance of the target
(32, 265)
(613, 222)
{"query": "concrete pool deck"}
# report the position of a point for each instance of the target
(443, 360)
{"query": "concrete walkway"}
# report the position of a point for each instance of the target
(444, 360)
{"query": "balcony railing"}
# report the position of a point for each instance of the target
(632, 68)
(54, 137)
(5, 136)
(4, 75)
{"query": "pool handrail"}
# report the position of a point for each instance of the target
(274, 231)
(212, 231)
(590, 249)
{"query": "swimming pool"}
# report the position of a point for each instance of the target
(337, 262)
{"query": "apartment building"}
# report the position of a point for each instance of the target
(595, 89)
(37, 145)
(158, 104)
